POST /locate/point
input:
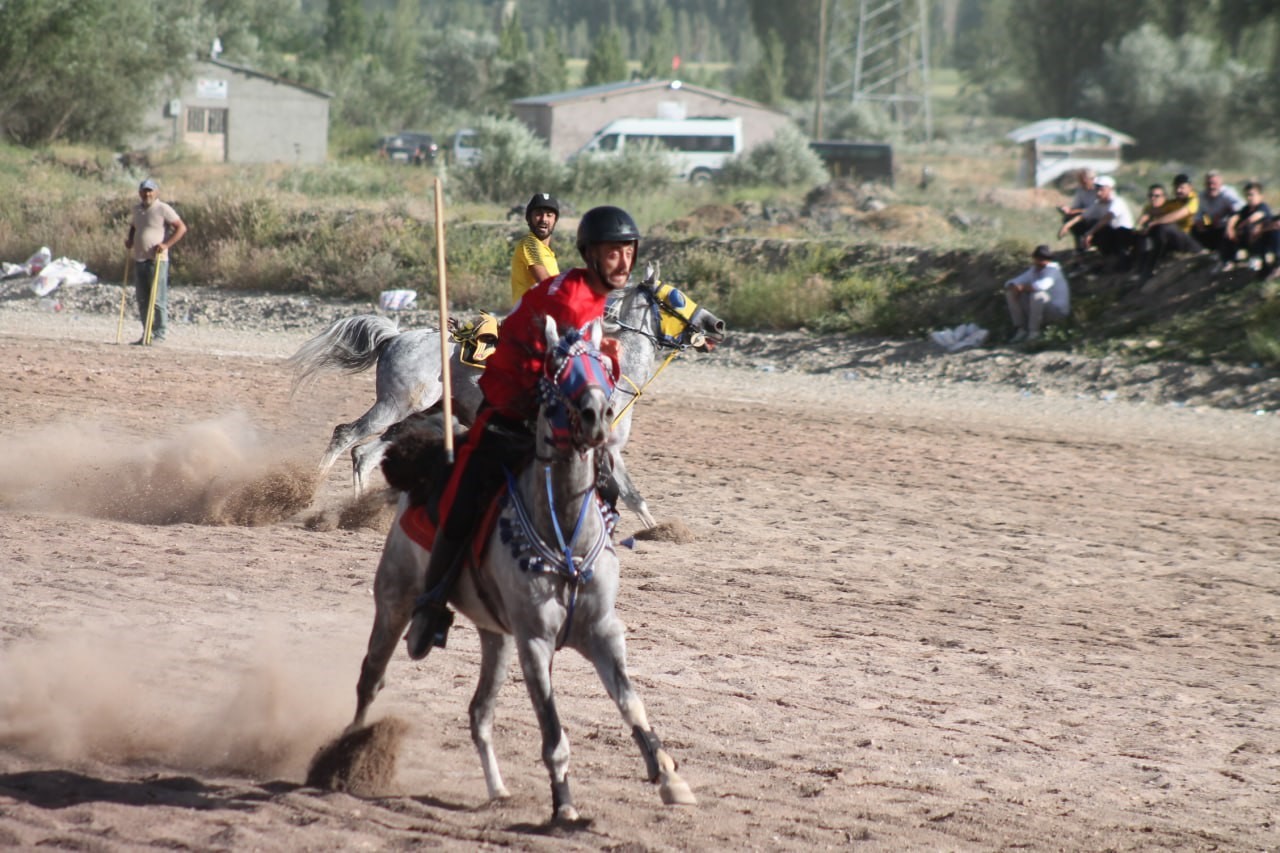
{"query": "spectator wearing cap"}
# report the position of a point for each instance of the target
(153, 229)
(1038, 295)
(533, 260)
(1112, 229)
(1165, 225)
(1218, 203)
(1085, 195)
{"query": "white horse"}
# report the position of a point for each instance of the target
(547, 578)
(650, 321)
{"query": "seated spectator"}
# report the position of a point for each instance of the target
(1250, 230)
(1085, 195)
(1112, 228)
(1165, 225)
(1039, 294)
(1217, 203)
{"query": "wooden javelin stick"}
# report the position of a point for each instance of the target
(446, 380)
(151, 301)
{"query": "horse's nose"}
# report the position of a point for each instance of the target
(594, 422)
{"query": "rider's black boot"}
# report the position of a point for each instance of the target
(431, 614)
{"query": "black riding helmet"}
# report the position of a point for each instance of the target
(607, 224)
(542, 200)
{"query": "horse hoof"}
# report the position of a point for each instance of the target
(676, 792)
(566, 815)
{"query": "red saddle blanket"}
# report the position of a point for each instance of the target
(421, 528)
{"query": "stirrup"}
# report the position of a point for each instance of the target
(429, 627)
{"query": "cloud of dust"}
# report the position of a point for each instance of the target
(220, 471)
(136, 702)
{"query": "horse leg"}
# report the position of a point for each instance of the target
(629, 493)
(396, 585)
(495, 658)
(381, 415)
(344, 435)
(535, 663)
(364, 458)
(606, 647)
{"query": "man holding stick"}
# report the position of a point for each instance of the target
(608, 241)
(154, 227)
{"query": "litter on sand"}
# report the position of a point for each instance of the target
(962, 337)
(44, 275)
(397, 300)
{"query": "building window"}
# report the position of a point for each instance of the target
(195, 120)
(217, 121)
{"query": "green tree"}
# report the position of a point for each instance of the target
(69, 75)
(766, 81)
(1149, 85)
(552, 70)
(344, 33)
(662, 48)
(607, 63)
(796, 26)
(511, 42)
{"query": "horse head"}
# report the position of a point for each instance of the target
(576, 388)
(668, 316)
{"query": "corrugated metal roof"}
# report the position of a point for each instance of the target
(1048, 126)
(243, 69)
(606, 89)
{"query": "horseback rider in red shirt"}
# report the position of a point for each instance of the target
(502, 436)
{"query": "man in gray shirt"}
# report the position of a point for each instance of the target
(153, 229)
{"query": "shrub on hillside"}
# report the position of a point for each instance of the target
(636, 171)
(512, 160)
(1176, 97)
(784, 161)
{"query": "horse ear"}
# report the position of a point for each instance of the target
(594, 333)
(552, 333)
(652, 275)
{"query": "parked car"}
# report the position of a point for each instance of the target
(464, 150)
(409, 146)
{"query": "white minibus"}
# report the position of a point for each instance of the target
(697, 147)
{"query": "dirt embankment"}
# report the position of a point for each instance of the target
(850, 357)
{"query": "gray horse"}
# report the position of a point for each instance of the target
(650, 321)
(535, 587)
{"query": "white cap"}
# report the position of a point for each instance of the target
(1105, 181)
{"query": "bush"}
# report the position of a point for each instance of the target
(1174, 96)
(784, 161)
(861, 121)
(637, 171)
(512, 161)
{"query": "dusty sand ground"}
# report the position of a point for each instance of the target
(913, 617)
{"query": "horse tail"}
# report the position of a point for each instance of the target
(352, 345)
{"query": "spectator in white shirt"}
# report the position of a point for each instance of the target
(1039, 295)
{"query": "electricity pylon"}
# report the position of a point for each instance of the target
(877, 51)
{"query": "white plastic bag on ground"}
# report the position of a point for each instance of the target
(39, 261)
(397, 300)
(962, 337)
(59, 273)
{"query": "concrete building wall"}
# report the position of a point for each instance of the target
(273, 122)
(235, 115)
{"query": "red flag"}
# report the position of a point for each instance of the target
(675, 63)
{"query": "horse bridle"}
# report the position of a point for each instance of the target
(573, 367)
(695, 339)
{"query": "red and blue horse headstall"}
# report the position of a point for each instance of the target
(571, 369)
